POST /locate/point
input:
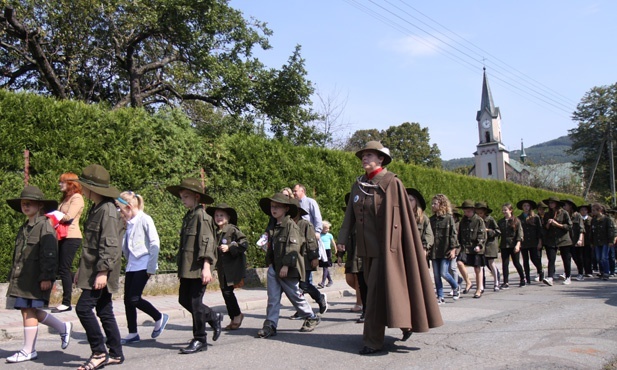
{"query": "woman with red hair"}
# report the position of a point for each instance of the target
(72, 205)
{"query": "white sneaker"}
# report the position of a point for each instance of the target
(562, 277)
(567, 281)
(548, 281)
(66, 336)
(580, 278)
(536, 279)
(451, 294)
(22, 356)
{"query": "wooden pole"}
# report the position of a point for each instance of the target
(26, 167)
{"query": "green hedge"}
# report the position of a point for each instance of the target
(146, 152)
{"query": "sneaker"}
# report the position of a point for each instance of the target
(560, 277)
(588, 275)
(605, 276)
(360, 319)
(323, 304)
(611, 275)
(456, 295)
(440, 301)
(522, 284)
(537, 279)
(295, 316)
(504, 286)
(156, 333)
(330, 284)
(567, 281)
(548, 281)
(580, 277)
(66, 336)
(22, 356)
(320, 286)
(129, 340)
(496, 289)
(310, 323)
(61, 308)
(267, 331)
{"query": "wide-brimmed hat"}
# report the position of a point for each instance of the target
(468, 203)
(233, 216)
(553, 199)
(32, 193)
(541, 204)
(457, 212)
(264, 204)
(588, 206)
(520, 203)
(571, 203)
(193, 185)
(301, 211)
(483, 205)
(96, 179)
(416, 194)
(378, 147)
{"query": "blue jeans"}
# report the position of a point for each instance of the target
(611, 260)
(602, 258)
(441, 270)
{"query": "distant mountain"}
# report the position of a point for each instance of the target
(550, 152)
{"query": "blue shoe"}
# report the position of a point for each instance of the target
(156, 333)
(134, 339)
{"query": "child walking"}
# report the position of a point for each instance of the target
(285, 265)
(35, 262)
(141, 248)
(196, 260)
(328, 242)
(231, 262)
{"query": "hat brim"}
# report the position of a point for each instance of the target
(488, 210)
(110, 191)
(572, 204)
(175, 191)
(264, 204)
(588, 206)
(386, 160)
(416, 194)
(48, 205)
(520, 203)
(547, 202)
(233, 215)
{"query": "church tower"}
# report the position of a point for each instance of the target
(491, 155)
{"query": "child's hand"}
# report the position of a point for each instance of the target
(45, 285)
(76, 277)
(283, 272)
(101, 280)
(206, 276)
(223, 248)
(315, 263)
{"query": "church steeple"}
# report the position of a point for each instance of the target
(523, 154)
(487, 104)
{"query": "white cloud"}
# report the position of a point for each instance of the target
(414, 46)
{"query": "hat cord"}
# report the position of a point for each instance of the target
(363, 185)
(90, 182)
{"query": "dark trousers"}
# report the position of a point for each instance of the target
(231, 302)
(566, 257)
(582, 259)
(506, 253)
(363, 290)
(551, 255)
(190, 296)
(66, 254)
(533, 255)
(101, 301)
(309, 288)
(611, 260)
(134, 284)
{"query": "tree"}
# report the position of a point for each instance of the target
(359, 139)
(596, 112)
(331, 121)
(152, 53)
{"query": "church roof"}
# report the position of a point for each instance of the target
(487, 104)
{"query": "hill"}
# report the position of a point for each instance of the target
(549, 152)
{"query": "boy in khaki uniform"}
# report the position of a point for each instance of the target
(196, 260)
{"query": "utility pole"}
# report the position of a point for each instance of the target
(611, 163)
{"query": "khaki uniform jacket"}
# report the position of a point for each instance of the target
(196, 244)
(532, 231)
(446, 236)
(310, 248)
(426, 232)
(35, 259)
(232, 264)
(285, 249)
(493, 233)
(587, 223)
(101, 246)
(556, 236)
(602, 231)
(472, 233)
(578, 228)
(510, 235)
(387, 234)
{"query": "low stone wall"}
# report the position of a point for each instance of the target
(164, 284)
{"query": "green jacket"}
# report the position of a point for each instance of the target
(602, 230)
(578, 228)
(196, 244)
(285, 249)
(35, 259)
(101, 246)
(444, 231)
(532, 231)
(557, 236)
(472, 234)
(310, 248)
(426, 232)
(510, 235)
(491, 249)
(231, 265)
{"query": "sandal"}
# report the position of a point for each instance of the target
(468, 287)
(93, 362)
(478, 294)
(114, 360)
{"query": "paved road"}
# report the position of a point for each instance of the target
(559, 327)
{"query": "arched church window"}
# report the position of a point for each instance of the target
(490, 168)
(488, 136)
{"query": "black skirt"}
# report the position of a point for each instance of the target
(475, 260)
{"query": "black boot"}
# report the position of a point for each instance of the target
(215, 323)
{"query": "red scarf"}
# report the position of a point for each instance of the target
(374, 173)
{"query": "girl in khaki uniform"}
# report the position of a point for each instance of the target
(35, 261)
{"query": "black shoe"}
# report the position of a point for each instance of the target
(194, 346)
(406, 334)
(215, 323)
(323, 304)
(360, 319)
(368, 351)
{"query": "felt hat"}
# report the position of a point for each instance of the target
(483, 205)
(541, 204)
(553, 199)
(193, 185)
(520, 203)
(96, 179)
(571, 203)
(301, 211)
(588, 206)
(419, 198)
(264, 204)
(378, 147)
(456, 212)
(233, 216)
(32, 193)
(468, 203)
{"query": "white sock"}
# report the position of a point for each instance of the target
(131, 336)
(30, 333)
(51, 321)
(158, 324)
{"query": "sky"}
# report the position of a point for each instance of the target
(395, 61)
